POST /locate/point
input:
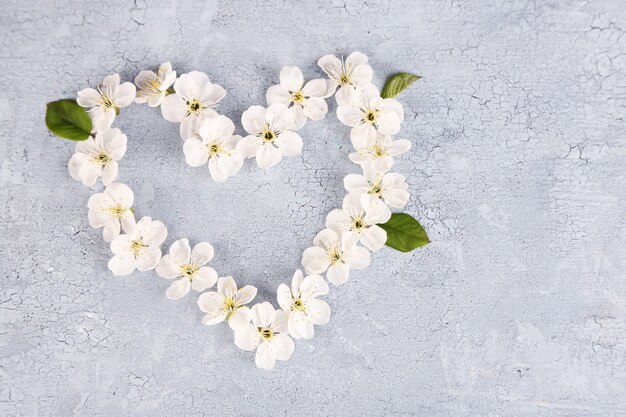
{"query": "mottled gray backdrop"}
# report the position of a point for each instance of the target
(517, 307)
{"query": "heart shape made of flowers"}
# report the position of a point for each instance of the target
(352, 232)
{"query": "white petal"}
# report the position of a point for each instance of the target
(239, 318)
(355, 183)
(168, 267)
(313, 286)
(267, 156)
(245, 294)
(283, 295)
(277, 94)
(362, 75)
(338, 273)
(224, 167)
(205, 278)
(219, 127)
(374, 238)
(265, 356)
(247, 338)
(388, 123)
(253, 119)
(125, 94)
(212, 93)
(319, 311)
(355, 59)
(315, 260)
(202, 253)
(88, 97)
(316, 108)
(279, 117)
(283, 346)
(331, 65)
(349, 115)
(249, 146)
(398, 147)
(210, 301)
(109, 172)
(180, 250)
(263, 314)
(173, 108)
(289, 143)
(195, 152)
(338, 220)
(148, 258)
(111, 230)
(316, 88)
(291, 78)
(122, 264)
(178, 289)
(227, 287)
(358, 258)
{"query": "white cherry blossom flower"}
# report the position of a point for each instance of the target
(369, 113)
(111, 210)
(227, 302)
(305, 310)
(390, 187)
(270, 136)
(97, 156)
(359, 218)
(139, 248)
(152, 87)
(110, 96)
(187, 265)
(350, 75)
(217, 144)
(304, 100)
(335, 253)
(194, 101)
(267, 334)
(375, 151)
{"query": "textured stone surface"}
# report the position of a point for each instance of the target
(517, 308)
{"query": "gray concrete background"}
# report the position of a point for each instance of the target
(517, 308)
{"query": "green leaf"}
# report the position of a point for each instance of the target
(404, 233)
(65, 118)
(398, 82)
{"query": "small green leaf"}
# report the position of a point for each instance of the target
(65, 118)
(404, 233)
(398, 82)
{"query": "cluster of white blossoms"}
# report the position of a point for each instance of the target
(352, 232)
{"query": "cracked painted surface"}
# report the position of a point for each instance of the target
(517, 308)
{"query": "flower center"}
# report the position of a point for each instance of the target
(370, 116)
(334, 256)
(344, 79)
(230, 305)
(115, 211)
(266, 333)
(268, 135)
(297, 96)
(378, 151)
(377, 189)
(102, 158)
(358, 223)
(136, 246)
(214, 149)
(194, 106)
(188, 270)
(152, 86)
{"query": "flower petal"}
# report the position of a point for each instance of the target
(291, 78)
(202, 253)
(265, 356)
(122, 264)
(168, 267)
(178, 289)
(227, 287)
(338, 273)
(267, 156)
(239, 318)
(374, 238)
(263, 314)
(315, 108)
(247, 338)
(173, 108)
(283, 346)
(277, 94)
(205, 278)
(253, 119)
(283, 295)
(245, 294)
(319, 312)
(195, 152)
(289, 143)
(181, 251)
